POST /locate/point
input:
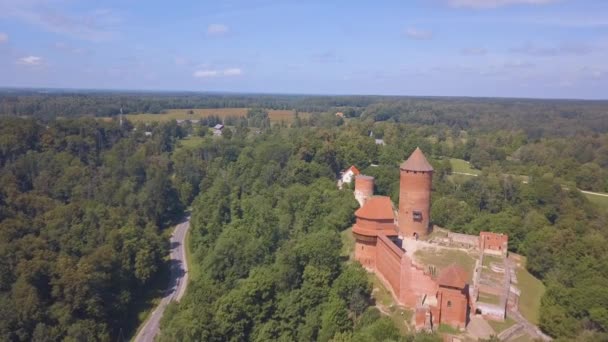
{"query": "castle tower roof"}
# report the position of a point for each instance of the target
(417, 162)
(453, 276)
(376, 208)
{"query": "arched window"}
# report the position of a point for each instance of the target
(449, 304)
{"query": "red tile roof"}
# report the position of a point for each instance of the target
(417, 162)
(453, 276)
(354, 170)
(377, 208)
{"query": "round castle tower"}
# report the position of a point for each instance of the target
(415, 196)
(364, 188)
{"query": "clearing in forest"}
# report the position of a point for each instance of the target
(275, 115)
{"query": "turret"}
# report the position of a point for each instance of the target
(364, 188)
(415, 196)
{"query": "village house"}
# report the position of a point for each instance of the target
(217, 130)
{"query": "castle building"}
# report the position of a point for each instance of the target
(378, 247)
(415, 196)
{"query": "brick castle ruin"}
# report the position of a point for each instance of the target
(381, 233)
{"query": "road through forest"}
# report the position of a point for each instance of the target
(177, 282)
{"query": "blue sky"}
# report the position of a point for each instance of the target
(505, 48)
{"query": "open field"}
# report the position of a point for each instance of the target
(532, 291)
(598, 200)
(442, 258)
(191, 142)
(275, 115)
(462, 166)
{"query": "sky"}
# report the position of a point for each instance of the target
(495, 48)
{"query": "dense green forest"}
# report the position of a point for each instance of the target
(82, 208)
(84, 204)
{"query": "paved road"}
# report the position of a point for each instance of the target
(177, 283)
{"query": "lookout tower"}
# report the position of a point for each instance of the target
(415, 196)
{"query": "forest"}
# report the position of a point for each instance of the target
(85, 206)
(536, 117)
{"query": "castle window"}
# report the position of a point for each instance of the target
(449, 304)
(417, 216)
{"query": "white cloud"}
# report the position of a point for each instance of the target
(205, 73)
(217, 30)
(3, 37)
(209, 73)
(232, 72)
(495, 3)
(95, 25)
(30, 60)
(417, 34)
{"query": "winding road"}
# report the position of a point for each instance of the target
(177, 283)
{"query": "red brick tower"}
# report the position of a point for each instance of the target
(452, 296)
(376, 217)
(364, 188)
(415, 196)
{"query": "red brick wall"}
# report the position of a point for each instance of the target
(415, 283)
(365, 251)
(493, 241)
(454, 304)
(388, 263)
(414, 195)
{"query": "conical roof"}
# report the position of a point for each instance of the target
(417, 162)
(377, 208)
(453, 276)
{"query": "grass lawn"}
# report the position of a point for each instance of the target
(348, 243)
(501, 326)
(600, 201)
(447, 329)
(491, 259)
(191, 141)
(182, 114)
(383, 297)
(459, 165)
(442, 258)
(489, 298)
(532, 290)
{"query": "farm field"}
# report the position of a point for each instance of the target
(275, 115)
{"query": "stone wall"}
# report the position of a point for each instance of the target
(388, 263)
(465, 239)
